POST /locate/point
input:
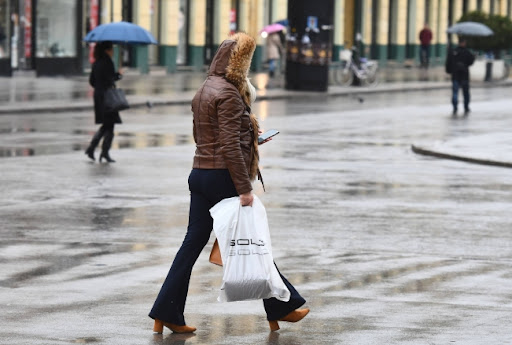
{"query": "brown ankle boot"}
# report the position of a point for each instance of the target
(294, 316)
(159, 327)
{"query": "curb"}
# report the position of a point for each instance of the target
(335, 91)
(427, 152)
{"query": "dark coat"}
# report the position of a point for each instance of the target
(103, 76)
(458, 62)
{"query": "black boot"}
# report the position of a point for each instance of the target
(107, 157)
(90, 153)
(107, 143)
(94, 142)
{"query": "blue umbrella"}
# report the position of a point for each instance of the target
(121, 33)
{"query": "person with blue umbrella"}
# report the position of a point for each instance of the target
(103, 76)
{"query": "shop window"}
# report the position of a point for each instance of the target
(4, 28)
(56, 27)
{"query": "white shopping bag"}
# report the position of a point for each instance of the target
(244, 242)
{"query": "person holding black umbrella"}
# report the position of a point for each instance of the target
(103, 76)
(457, 64)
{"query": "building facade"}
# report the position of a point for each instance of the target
(47, 35)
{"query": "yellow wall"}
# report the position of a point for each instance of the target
(339, 17)
(141, 13)
(106, 7)
(383, 23)
(367, 22)
(279, 10)
(434, 21)
(401, 33)
(419, 23)
(457, 10)
(443, 23)
(221, 22)
(169, 33)
(197, 23)
(486, 6)
(349, 23)
(472, 5)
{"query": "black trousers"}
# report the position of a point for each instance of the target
(207, 187)
(106, 131)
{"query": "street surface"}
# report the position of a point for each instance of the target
(387, 247)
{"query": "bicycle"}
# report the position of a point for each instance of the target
(350, 66)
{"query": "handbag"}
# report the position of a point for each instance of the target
(115, 100)
(243, 237)
(215, 257)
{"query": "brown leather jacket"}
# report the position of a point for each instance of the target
(224, 131)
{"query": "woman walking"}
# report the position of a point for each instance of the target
(225, 163)
(103, 76)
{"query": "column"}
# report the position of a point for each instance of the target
(168, 45)
(457, 10)
(401, 30)
(142, 17)
(279, 10)
(472, 5)
(419, 23)
(111, 11)
(197, 32)
(221, 21)
(252, 19)
(339, 32)
(503, 8)
(382, 33)
(366, 27)
(443, 25)
(486, 6)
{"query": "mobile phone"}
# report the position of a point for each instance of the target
(268, 134)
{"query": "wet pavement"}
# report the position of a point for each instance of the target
(387, 246)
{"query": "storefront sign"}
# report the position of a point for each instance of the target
(28, 29)
(93, 22)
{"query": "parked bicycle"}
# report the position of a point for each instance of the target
(352, 66)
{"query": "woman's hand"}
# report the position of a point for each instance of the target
(260, 132)
(246, 199)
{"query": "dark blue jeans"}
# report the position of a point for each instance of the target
(424, 55)
(207, 187)
(456, 84)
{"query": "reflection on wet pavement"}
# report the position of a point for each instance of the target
(122, 140)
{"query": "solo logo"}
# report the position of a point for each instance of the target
(246, 246)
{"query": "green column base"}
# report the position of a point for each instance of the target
(141, 59)
(168, 56)
(381, 54)
(116, 57)
(400, 53)
(257, 59)
(336, 49)
(196, 57)
(413, 52)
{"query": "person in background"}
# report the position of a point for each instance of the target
(425, 39)
(274, 50)
(457, 64)
(103, 76)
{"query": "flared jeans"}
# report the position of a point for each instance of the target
(207, 187)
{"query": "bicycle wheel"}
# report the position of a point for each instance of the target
(371, 76)
(344, 76)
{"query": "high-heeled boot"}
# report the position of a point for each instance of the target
(107, 157)
(94, 142)
(159, 327)
(294, 316)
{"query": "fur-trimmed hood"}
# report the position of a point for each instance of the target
(233, 60)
